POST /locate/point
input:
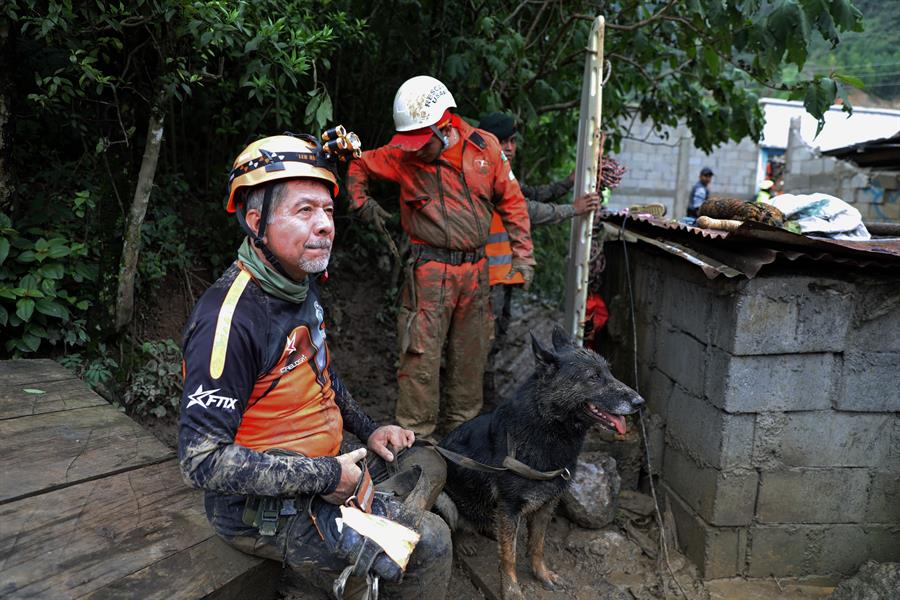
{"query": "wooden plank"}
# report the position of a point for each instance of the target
(80, 539)
(60, 395)
(25, 371)
(47, 451)
(211, 570)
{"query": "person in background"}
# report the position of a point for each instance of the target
(700, 192)
(541, 211)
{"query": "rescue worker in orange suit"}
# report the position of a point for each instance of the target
(263, 409)
(452, 178)
(541, 211)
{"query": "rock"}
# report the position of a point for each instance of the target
(874, 581)
(626, 449)
(592, 496)
(613, 550)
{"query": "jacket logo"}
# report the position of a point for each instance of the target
(207, 398)
(482, 165)
(291, 348)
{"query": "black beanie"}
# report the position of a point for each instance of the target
(500, 124)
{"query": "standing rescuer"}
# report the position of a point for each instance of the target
(452, 178)
(263, 410)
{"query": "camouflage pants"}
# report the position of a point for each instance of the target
(443, 303)
(314, 567)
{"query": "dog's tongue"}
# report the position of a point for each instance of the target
(619, 422)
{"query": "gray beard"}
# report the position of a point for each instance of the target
(315, 265)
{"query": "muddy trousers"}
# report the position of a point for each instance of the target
(298, 546)
(443, 303)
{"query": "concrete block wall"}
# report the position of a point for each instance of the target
(655, 159)
(876, 194)
(779, 403)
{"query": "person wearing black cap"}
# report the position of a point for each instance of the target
(700, 192)
(541, 211)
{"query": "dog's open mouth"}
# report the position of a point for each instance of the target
(610, 421)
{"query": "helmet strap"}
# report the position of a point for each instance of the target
(257, 236)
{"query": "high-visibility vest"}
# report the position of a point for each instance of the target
(499, 254)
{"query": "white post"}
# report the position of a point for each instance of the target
(589, 149)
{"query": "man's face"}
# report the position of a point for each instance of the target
(301, 230)
(509, 147)
(430, 151)
(705, 179)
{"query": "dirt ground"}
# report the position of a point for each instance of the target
(596, 564)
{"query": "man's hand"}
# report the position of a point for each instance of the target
(350, 474)
(394, 435)
(371, 212)
(587, 203)
(525, 269)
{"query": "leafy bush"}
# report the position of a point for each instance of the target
(45, 279)
(156, 386)
(96, 371)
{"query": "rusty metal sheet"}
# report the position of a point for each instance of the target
(752, 246)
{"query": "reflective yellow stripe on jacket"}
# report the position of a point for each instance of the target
(499, 254)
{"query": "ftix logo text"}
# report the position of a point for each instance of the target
(207, 399)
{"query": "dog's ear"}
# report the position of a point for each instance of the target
(542, 355)
(561, 339)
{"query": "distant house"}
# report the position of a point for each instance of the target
(663, 166)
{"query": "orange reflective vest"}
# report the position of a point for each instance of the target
(499, 254)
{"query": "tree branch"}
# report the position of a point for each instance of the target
(558, 106)
(654, 17)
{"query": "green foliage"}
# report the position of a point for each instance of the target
(97, 370)
(155, 387)
(45, 278)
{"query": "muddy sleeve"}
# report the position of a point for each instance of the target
(356, 421)
(547, 213)
(214, 399)
(510, 205)
(547, 192)
(380, 163)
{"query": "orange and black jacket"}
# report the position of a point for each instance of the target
(448, 204)
(258, 376)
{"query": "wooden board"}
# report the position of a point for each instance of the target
(210, 569)
(84, 538)
(59, 395)
(25, 371)
(46, 451)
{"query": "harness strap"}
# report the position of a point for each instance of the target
(510, 463)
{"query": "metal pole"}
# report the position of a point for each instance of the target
(589, 149)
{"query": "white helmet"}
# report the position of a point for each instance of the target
(421, 102)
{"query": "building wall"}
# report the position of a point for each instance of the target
(876, 194)
(663, 166)
(776, 405)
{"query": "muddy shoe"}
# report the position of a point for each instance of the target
(655, 209)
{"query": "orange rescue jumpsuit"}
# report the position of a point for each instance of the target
(446, 208)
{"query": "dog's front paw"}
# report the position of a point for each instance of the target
(510, 590)
(548, 578)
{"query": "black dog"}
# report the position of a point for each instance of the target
(544, 426)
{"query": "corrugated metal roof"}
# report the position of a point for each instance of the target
(750, 247)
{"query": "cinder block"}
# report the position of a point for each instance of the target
(884, 499)
(782, 382)
(876, 324)
(657, 389)
(790, 314)
(883, 546)
(717, 551)
(871, 381)
(827, 439)
(778, 551)
(854, 546)
(715, 437)
(812, 496)
(720, 498)
(682, 358)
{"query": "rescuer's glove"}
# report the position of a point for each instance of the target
(523, 268)
(372, 213)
